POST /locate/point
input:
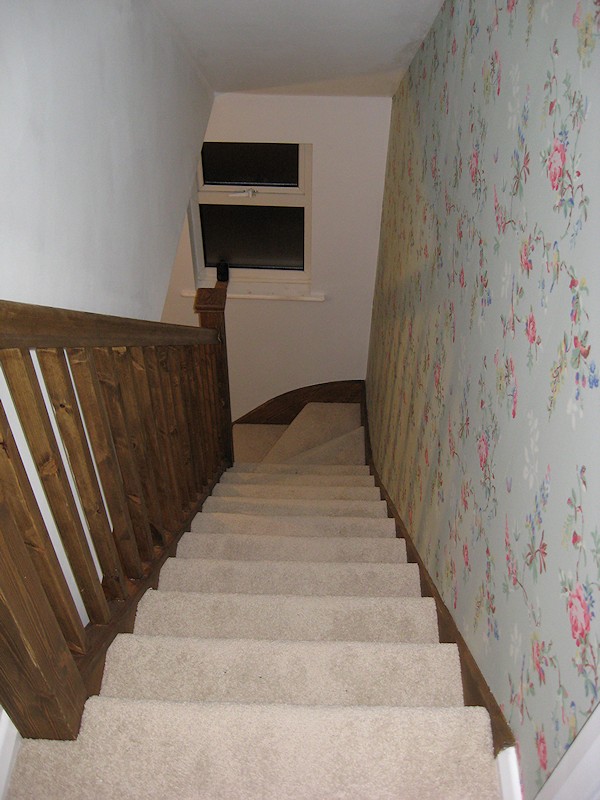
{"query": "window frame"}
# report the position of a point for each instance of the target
(265, 281)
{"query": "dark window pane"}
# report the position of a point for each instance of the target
(249, 164)
(255, 237)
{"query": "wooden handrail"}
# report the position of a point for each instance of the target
(23, 325)
(139, 409)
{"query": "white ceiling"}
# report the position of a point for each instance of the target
(304, 46)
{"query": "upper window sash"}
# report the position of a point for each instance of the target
(246, 193)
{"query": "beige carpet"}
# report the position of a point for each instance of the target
(253, 442)
(286, 654)
(315, 425)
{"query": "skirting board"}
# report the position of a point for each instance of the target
(508, 770)
(10, 742)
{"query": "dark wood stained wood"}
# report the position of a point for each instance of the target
(136, 502)
(30, 406)
(165, 442)
(156, 459)
(175, 369)
(57, 378)
(175, 445)
(192, 413)
(25, 512)
(210, 307)
(208, 410)
(282, 410)
(216, 402)
(97, 424)
(475, 688)
(40, 686)
(211, 301)
(23, 325)
(139, 409)
(137, 440)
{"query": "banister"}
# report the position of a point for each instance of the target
(24, 325)
(141, 412)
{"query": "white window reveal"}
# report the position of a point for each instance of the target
(254, 201)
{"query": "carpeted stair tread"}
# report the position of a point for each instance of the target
(346, 449)
(277, 492)
(185, 751)
(284, 525)
(302, 508)
(253, 442)
(290, 577)
(291, 548)
(290, 617)
(275, 479)
(315, 424)
(303, 673)
(300, 469)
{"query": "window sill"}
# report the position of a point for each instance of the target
(232, 294)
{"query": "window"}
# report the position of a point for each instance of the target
(254, 201)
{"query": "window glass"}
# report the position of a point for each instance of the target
(249, 164)
(253, 237)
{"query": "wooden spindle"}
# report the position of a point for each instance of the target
(23, 506)
(165, 440)
(57, 378)
(136, 502)
(40, 686)
(29, 404)
(98, 427)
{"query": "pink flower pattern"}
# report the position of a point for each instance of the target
(530, 329)
(556, 163)
(579, 615)
(483, 450)
(483, 366)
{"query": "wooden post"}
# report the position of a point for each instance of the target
(210, 307)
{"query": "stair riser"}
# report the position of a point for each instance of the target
(366, 580)
(276, 492)
(328, 508)
(304, 673)
(288, 525)
(299, 469)
(272, 478)
(291, 548)
(407, 619)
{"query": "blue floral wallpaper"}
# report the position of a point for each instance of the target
(484, 367)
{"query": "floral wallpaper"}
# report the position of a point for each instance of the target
(484, 366)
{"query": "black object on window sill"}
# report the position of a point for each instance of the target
(223, 271)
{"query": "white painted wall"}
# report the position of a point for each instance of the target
(102, 115)
(276, 346)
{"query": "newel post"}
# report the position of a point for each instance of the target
(210, 307)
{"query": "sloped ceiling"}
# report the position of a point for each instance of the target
(305, 46)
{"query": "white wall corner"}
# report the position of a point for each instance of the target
(508, 770)
(10, 742)
(577, 774)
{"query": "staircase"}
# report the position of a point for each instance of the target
(287, 652)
